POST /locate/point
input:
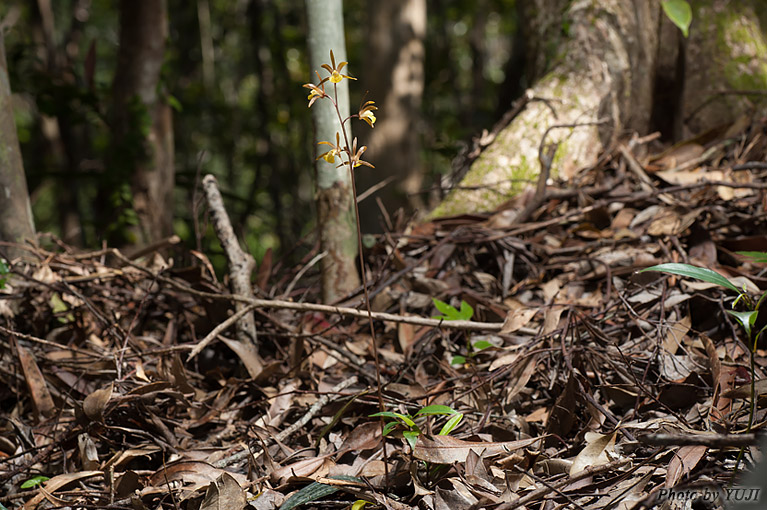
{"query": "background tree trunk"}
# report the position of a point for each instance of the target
(143, 32)
(335, 212)
(16, 224)
(598, 61)
(393, 77)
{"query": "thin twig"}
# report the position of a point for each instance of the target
(334, 394)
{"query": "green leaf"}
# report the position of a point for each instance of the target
(755, 256)
(174, 103)
(449, 312)
(389, 427)
(34, 482)
(315, 491)
(458, 360)
(680, 14)
(435, 409)
(411, 436)
(746, 319)
(466, 312)
(359, 504)
(699, 273)
(482, 344)
(407, 420)
(444, 308)
(451, 424)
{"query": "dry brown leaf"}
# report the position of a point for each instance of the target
(56, 483)
(551, 319)
(405, 336)
(95, 403)
(744, 390)
(517, 319)
(683, 461)
(562, 415)
(550, 290)
(189, 472)
(631, 491)
(447, 450)
(38, 388)
(247, 354)
(454, 499)
(675, 334)
(520, 375)
(89, 455)
(268, 500)
(362, 437)
(539, 415)
(308, 468)
(600, 449)
(224, 493)
(125, 456)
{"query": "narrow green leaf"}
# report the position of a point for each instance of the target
(458, 360)
(699, 273)
(34, 481)
(759, 257)
(386, 414)
(435, 409)
(746, 319)
(359, 504)
(411, 436)
(389, 427)
(680, 14)
(482, 344)
(451, 424)
(407, 420)
(315, 491)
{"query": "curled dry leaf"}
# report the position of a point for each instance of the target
(95, 403)
(58, 482)
(189, 472)
(518, 319)
(683, 461)
(600, 449)
(224, 493)
(447, 450)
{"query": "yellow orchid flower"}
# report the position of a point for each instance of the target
(368, 117)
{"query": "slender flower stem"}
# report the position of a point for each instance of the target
(374, 341)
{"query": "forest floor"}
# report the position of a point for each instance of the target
(558, 375)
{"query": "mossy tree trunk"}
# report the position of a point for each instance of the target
(623, 63)
(16, 224)
(335, 209)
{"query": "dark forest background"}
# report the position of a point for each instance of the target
(232, 74)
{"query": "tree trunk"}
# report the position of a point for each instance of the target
(394, 78)
(601, 61)
(335, 211)
(143, 32)
(16, 224)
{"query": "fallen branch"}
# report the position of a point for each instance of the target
(241, 264)
(330, 309)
